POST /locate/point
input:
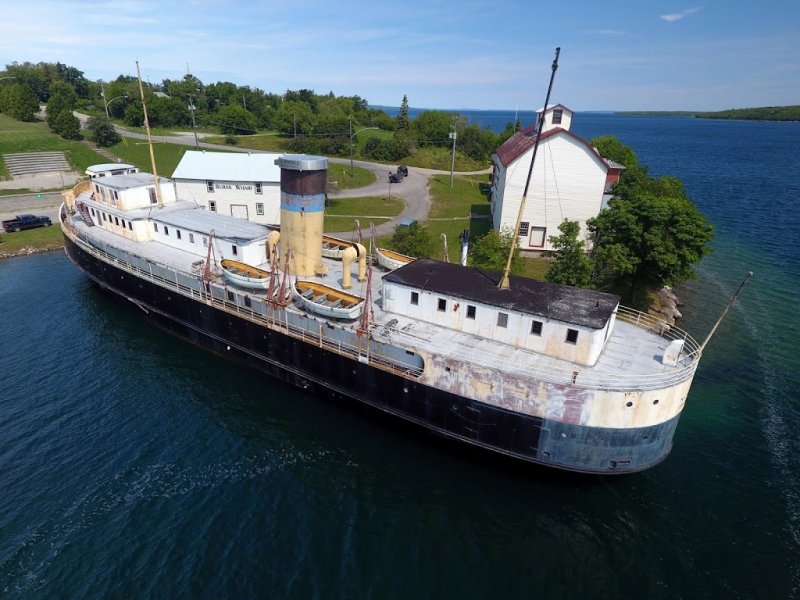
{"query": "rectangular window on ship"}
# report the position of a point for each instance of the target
(502, 319)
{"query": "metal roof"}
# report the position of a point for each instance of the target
(102, 168)
(129, 180)
(228, 166)
(302, 162)
(586, 308)
(203, 221)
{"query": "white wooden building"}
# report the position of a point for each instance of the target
(127, 205)
(554, 320)
(242, 185)
(570, 180)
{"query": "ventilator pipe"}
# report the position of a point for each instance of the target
(362, 261)
(272, 240)
(348, 256)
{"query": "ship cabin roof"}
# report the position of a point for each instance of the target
(202, 221)
(586, 308)
(129, 181)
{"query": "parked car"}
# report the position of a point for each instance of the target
(403, 169)
(396, 177)
(25, 222)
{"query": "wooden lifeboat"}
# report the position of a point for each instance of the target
(244, 275)
(391, 260)
(327, 301)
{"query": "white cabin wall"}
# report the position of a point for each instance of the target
(552, 341)
(228, 193)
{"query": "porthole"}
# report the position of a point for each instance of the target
(629, 404)
(656, 401)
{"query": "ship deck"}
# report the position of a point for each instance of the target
(632, 354)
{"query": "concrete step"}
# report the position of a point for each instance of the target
(25, 163)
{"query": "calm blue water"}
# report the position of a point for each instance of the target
(134, 465)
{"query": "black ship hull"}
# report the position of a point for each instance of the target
(330, 374)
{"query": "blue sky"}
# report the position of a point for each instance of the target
(616, 55)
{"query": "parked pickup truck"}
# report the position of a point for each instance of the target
(26, 222)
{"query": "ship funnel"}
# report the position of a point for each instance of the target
(303, 180)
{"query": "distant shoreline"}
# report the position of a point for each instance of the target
(764, 113)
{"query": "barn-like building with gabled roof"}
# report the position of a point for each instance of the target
(570, 180)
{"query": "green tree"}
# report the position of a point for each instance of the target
(490, 252)
(102, 132)
(295, 117)
(67, 125)
(235, 120)
(19, 102)
(403, 123)
(412, 240)
(63, 97)
(648, 240)
(434, 126)
(571, 266)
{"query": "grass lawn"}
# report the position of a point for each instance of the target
(340, 215)
(340, 174)
(43, 238)
(16, 136)
(267, 142)
(136, 152)
(441, 158)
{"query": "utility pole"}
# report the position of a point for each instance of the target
(103, 96)
(453, 162)
(194, 124)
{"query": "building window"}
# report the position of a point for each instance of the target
(234, 250)
(94, 215)
(259, 207)
(152, 192)
(104, 216)
(178, 233)
(537, 237)
(523, 229)
(247, 301)
(123, 224)
(536, 328)
(557, 113)
(230, 296)
(210, 187)
(155, 227)
(414, 297)
(130, 225)
(442, 304)
(116, 221)
(258, 189)
(502, 319)
(470, 311)
(212, 206)
(572, 336)
(191, 238)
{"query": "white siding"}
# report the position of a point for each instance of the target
(252, 253)
(568, 182)
(518, 330)
(229, 194)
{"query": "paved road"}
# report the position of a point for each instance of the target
(47, 205)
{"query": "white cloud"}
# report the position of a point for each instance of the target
(679, 15)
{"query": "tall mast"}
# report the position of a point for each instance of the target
(149, 139)
(503, 285)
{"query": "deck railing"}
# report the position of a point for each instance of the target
(273, 316)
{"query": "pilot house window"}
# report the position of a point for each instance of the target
(502, 319)
(442, 304)
(536, 328)
(470, 311)
(414, 297)
(572, 336)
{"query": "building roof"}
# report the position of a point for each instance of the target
(102, 168)
(585, 308)
(522, 141)
(551, 106)
(228, 166)
(203, 221)
(129, 180)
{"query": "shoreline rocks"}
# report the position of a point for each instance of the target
(665, 305)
